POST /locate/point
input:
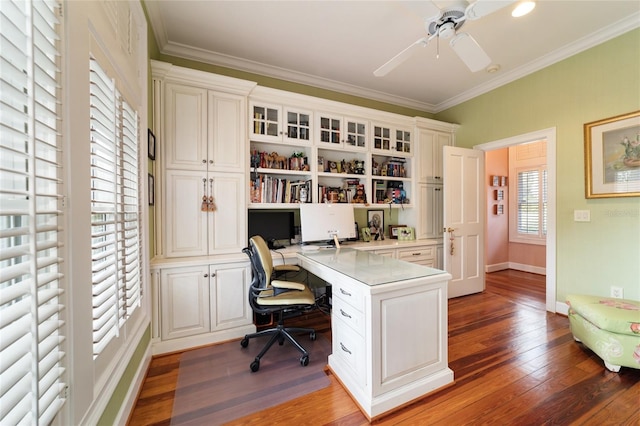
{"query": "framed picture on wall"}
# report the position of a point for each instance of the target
(375, 221)
(151, 184)
(612, 157)
(151, 145)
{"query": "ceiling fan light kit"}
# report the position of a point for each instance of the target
(445, 25)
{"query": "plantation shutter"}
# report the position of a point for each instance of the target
(532, 202)
(131, 242)
(104, 266)
(115, 206)
(31, 355)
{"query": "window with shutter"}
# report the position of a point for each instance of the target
(528, 197)
(31, 281)
(115, 221)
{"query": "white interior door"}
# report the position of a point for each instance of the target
(464, 199)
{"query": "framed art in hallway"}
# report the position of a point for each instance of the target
(612, 156)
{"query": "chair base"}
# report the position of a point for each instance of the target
(279, 334)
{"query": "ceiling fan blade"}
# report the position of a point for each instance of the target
(400, 57)
(468, 49)
(480, 8)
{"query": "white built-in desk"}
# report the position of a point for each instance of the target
(388, 324)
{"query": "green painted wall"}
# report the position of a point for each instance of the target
(601, 82)
(110, 412)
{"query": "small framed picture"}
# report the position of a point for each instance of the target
(499, 194)
(498, 209)
(503, 181)
(375, 220)
(151, 145)
(495, 180)
(366, 234)
(393, 230)
(150, 183)
(406, 234)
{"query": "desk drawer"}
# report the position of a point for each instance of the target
(347, 314)
(348, 347)
(349, 294)
(421, 255)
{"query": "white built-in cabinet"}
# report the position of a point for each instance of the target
(209, 129)
(200, 275)
(204, 171)
(432, 138)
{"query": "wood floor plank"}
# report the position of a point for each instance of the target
(513, 363)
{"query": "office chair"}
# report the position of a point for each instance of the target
(268, 295)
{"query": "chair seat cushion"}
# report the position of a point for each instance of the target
(293, 297)
(620, 316)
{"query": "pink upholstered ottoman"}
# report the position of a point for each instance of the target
(609, 327)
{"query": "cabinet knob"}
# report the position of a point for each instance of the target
(204, 161)
(210, 161)
(206, 275)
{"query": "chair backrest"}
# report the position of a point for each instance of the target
(263, 255)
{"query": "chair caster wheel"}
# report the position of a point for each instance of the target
(244, 342)
(304, 360)
(255, 365)
(312, 335)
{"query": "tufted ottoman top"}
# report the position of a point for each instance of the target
(616, 315)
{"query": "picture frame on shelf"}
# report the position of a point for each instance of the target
(406, 234)
(151, 145)
(495, 180)
(612, 156)
(366, 234)
(393, 231)
(375, 222)
(151, 189)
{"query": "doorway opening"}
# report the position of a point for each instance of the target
(548, 135)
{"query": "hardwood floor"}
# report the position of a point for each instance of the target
(513, 362)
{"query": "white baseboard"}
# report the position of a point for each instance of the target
(562, 308)
(136, 385)
(517, 266)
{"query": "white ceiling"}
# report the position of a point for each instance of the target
(338, 44)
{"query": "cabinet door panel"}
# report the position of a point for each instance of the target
(185, 127)
(227, 225)
(186, 230)
(226, 132)
(185, 302)
(229, 296)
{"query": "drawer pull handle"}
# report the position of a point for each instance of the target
(344, 314)
(346, 293)
(344, 348)
(416, 254)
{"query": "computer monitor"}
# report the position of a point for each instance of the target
(274, 226)
(320, 222)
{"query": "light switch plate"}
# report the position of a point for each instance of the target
(582, 215)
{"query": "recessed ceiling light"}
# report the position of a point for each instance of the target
(523, 8)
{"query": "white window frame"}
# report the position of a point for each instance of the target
(516, 167)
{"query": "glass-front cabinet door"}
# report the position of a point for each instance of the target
(381, 138)
(356, 133)
(403, 141)
(297, 126)
(329, 128)
(265, 124)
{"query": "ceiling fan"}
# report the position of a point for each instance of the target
(444, 24)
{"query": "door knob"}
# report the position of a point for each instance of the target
(448, 229)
